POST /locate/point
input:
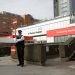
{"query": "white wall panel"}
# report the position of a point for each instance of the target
(33, 30)
(50, 39)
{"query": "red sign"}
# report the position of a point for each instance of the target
(14, 21)
(28, 38)
(61, 31)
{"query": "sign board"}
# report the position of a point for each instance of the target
(61, 31)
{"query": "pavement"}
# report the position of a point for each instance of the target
(53, 67)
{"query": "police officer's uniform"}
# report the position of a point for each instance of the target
(20, 49)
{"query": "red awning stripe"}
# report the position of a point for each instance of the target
(61, 31)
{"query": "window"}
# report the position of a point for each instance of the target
(2, 26)
(61, 38)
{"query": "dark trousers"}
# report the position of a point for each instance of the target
(20, 53)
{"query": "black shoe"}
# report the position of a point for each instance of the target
(18, 64)
(22, 65)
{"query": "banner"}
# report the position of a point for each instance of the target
(61, 31)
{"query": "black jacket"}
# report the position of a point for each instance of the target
(20, 43)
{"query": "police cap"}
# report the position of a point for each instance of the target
(19, 31)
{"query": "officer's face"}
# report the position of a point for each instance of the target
(20, 33)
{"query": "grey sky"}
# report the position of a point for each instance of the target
(40, 9)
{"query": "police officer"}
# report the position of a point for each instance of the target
(20, 48)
